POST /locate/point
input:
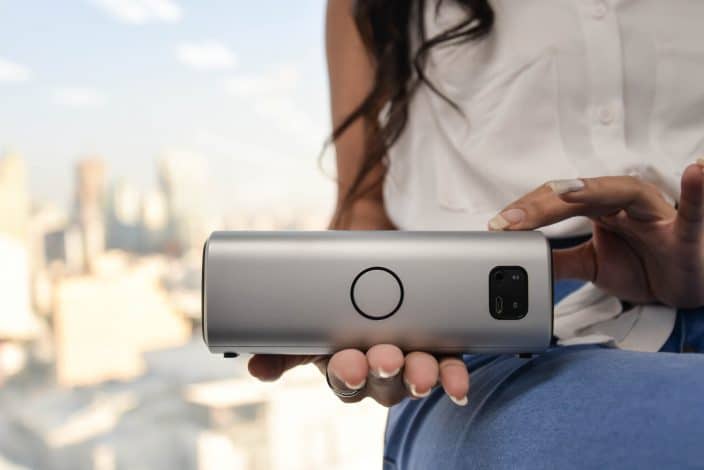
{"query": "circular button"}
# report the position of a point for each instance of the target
(376, 293)
(637, 171)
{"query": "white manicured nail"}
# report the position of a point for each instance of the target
(356, 386)
(415, 392)
(382, 374)
(566, 186)
(459, 401)
(506, 218)
(498, 223)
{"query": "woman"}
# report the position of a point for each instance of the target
(448, 115)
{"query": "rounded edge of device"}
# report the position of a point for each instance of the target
(552, 290)
(203, 299)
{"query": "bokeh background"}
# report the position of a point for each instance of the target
(130, 129)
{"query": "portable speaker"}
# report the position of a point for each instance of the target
(319, 292)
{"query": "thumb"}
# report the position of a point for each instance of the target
(269, 367)
(578, 262)
(690, 212)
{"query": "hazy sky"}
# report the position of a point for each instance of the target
(239, 83)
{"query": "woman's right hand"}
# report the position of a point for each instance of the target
(383, 373)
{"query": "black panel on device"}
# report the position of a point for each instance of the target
(508, 292)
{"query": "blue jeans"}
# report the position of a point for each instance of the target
(581, 406)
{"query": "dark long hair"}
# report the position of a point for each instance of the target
(386, 31)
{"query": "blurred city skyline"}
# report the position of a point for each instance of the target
(130, 129)
(238, 85)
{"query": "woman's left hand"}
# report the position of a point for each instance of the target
(642, 249)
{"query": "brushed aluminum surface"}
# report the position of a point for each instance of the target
(291, 292)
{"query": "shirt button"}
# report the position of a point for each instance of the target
(635, 172)
(607, 115)
(599, 10)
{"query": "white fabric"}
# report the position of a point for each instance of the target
(559, 89)
(590, 315)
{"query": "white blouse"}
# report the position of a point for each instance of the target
(559, 89)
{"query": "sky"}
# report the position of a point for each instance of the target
(239, 84)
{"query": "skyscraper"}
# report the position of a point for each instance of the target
(124, 218)
(155, 218)
(14, 198)
(17, 321)
(90, 206)
(184, 182)
(90, 186)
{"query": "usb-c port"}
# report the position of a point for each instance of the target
(499, 305)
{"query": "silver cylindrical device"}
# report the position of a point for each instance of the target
(319, 292)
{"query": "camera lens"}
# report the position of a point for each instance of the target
(499, 276)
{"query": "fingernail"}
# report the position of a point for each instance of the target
(459, 401)
(700, 162)
(566, 186)
(356, 386)
(382, 374)
(506, 218)
(498, 223)
(415, 392)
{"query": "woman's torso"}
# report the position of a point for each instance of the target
(559, 89)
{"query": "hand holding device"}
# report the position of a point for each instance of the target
(342, 289)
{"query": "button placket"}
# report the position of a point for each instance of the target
(607, 115)
(605, 66)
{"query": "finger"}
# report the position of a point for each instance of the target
(591, 197)
(641, 200)
(454, 378)
(689, 223)
(347, 373)
(578, 262)
(321, 362)
(420, 374)
(384, 382)
(268, 367)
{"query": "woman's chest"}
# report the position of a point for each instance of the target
(611, 81)
(558, 89)
(637, 32)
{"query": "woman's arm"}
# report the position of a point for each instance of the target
(351, 74)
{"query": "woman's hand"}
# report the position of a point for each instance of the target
(642, 248)
(383, 373)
